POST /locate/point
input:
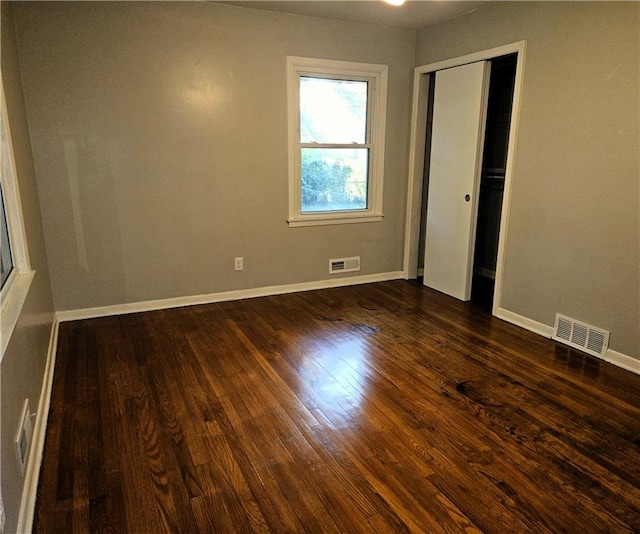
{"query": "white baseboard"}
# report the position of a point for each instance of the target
(34, 460)
(524, 322)
(613, 357)
(622, 360)
(162, 304)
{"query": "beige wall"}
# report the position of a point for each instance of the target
(159, 141)
(159, 137)
(24, 361)
(574, 233)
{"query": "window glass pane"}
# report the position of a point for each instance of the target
(334, 179)
(6, 262)
(333, 111)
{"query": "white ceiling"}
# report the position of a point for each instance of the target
(414, 14)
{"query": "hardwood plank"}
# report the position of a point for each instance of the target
(378, 408)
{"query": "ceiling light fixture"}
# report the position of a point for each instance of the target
(395, 2)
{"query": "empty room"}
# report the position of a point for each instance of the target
(320, 266)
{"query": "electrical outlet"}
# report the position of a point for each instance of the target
(239, 264)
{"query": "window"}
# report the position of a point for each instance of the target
(337, 113)
(16, 273)
(6, 260)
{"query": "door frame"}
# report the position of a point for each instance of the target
(417, 160)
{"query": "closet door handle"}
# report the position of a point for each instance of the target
(467, 198)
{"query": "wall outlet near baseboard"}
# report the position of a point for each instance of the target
(239, 264)
(23, 436)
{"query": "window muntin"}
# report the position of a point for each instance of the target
(337, 115)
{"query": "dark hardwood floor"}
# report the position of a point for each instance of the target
(376, 408)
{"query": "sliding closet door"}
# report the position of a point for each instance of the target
(459, 115)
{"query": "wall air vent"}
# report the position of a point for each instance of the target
(581, 336)
(344, 265)
(23, 437)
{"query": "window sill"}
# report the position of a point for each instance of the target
(323, 220)
(12, 304)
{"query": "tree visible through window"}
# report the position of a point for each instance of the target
(336, 140)
(333, 114)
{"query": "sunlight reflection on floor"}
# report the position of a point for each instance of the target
(339, 377)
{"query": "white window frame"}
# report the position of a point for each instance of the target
(376, 76)
(14, 292)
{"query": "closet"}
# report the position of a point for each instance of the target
(468, 121)
(494, 161)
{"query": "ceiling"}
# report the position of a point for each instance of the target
(414, 14)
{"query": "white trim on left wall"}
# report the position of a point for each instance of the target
(34, 460)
